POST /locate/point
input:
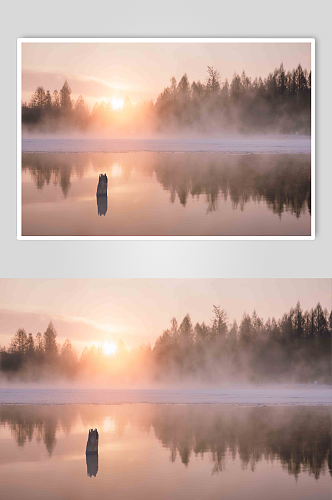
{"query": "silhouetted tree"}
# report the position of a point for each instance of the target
(219, 323)
(38, 99)
(65, 99)
(278, 103)
(296, 347)
(30, 346)
(49, 341)
(212, 81)
(19, 343)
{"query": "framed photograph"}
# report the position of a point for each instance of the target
(166, 138)
(165, 389)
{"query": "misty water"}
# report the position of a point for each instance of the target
(185, 189)
(166, 451)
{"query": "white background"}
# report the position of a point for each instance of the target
(291, 18)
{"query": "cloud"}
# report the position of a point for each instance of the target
(88, 86)
(81, 331)
(92, 88)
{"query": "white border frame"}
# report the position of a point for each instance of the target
(20, 41)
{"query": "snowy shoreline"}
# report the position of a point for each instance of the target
(292, 396)
(239, 145)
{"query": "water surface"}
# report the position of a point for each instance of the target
(166, 451)
(166, 194)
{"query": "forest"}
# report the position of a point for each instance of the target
(293, 348)
(279, 103)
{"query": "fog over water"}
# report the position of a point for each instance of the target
(280, 103)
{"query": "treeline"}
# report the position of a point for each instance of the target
(38, 355)
(296, 348)
(55, 112)
(280, 103)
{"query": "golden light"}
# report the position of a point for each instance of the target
(117, 103)
(109, 425)
(116, 170)
(109, 348)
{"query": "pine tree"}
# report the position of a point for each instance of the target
(212, 81)
(19, 343)
(219, 323)
(30, 346)
(38, 99)
(65, 99)
(49, 341)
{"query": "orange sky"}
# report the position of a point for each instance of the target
(142, 70)
(138, 310)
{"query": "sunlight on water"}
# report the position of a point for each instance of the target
(116, 170)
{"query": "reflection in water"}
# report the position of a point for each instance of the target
(298, 437)
(92, 452)
(164, 194)
(102, 204)
(282, 181)
(102, 194)
(92, 464)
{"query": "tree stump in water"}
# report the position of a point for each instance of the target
(102, 185)
(92, 453)
(92, 444)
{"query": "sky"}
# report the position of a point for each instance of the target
(101, 71)
(138, 310)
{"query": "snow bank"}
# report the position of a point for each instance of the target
(231, 145)
(253, 396)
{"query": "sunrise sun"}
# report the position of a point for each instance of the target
(109, 348)
(117, 103)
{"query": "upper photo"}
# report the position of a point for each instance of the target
(165, 139)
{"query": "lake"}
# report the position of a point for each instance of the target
(160, 188)
(165, 451)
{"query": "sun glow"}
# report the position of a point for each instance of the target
(109, 348)
(116, 170)
(117, 103)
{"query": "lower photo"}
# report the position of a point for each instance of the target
(165, 389)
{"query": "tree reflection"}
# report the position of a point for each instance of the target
(30, 422)
(300, 437)
(282, 181)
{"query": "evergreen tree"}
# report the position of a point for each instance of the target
(19, 343)
(219, 323)
(30, 346)
(212, 81)
(48, 102)
(65, 99)
(39, 345)
(49, 341)
(56, 101)
(186, 332)
(38, 99)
